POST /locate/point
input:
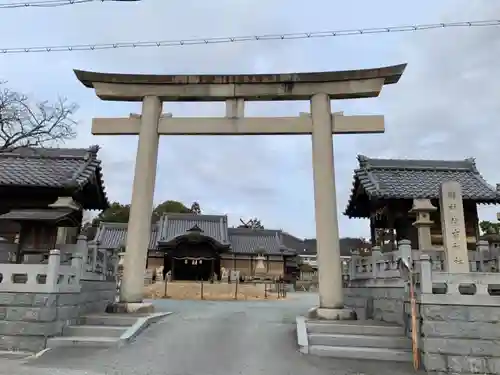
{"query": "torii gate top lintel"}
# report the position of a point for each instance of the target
(349, 84)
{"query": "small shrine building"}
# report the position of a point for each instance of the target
(43, 193)
(390, 192)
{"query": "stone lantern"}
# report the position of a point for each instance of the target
(260, 270)
(423, 209)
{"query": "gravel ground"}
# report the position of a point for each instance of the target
(207, 338)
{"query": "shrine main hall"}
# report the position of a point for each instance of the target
(195, 247)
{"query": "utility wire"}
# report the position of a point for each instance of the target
(54, 3)
(253, 38)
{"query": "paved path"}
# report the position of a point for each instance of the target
(207, 338)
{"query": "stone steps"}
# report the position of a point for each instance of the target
(358, 328)
(385, 342)
(95, 342)
(100, 330)
(94, 331)
(369, 340)
(347, 352)
(109, 320)
(104, 330)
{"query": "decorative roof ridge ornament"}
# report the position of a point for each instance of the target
(195, 229)
(472, 161)
(363, 161)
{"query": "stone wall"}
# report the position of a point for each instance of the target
(460, 339)
(379, 303)
(28, 319)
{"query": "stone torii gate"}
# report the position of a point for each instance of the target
(319, 88)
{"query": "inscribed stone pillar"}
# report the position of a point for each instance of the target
(453, 227)
(423, 222)
(331, 300)
(139, 225)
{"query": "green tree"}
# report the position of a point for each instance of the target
(169, 207)
(116, 213)
(119, 213)
(487, 227)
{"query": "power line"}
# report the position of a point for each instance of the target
(54, 3)
(252, 38)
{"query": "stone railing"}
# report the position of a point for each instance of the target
(41, 278)
(96, 264)
(384, 266)
(100, 263)
(474, 288)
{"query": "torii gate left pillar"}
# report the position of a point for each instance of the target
(318, 88)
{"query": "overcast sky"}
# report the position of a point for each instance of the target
(446, 106)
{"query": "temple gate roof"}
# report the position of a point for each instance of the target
(411, 179)
(69, 169)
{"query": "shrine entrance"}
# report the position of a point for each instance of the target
(319, 88)
(192, 256)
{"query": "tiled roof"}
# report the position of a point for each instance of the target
(114, 235)
(63, 168)
(248, 241)
(411, 179)
(242, 240)
(50, 214)
(175, 225)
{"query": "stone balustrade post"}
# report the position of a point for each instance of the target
(82, 249)
(77, 265)
(53, 270)
(483, 247)
(352, 267)
(376, 256)
(105, 265)
(425, 274)
(405, 252)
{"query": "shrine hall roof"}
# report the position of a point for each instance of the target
(67, 169)
(250, 241)
(411, 179)
(171, 226)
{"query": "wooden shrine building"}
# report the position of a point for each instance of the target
(384, 189)
(43, 193)
(195, 247)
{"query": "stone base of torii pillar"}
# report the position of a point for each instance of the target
(331, 314)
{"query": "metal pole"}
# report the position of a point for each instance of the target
(202, 288)
(236, 288)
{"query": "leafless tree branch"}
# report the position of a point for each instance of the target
(24, 123)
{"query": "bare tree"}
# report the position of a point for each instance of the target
(24, 123)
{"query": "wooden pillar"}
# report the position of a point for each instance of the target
(372, 231)
(172, 268)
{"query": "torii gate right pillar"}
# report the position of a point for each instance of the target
(331, 301)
